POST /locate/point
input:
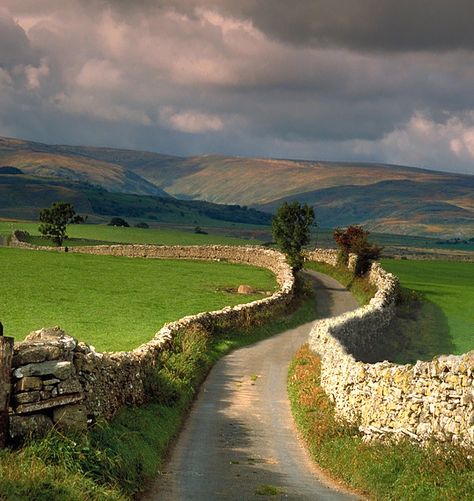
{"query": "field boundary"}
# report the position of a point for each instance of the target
(59, 381)
(422, 401)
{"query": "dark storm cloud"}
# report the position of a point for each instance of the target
(391, 25)
(382, 81)
(395, 25)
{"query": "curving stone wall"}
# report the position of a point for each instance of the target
(60, 381)
(425, 400)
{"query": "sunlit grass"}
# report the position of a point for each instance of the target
(450, 286)
(114, 303)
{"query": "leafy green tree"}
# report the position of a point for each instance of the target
(291, 231)
(55, 220)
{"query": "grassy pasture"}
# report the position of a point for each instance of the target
(449, 287)
(114, 303)
(83, 234)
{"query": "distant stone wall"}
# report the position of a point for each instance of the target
(59, 381)
(425, 400)
(329, 256)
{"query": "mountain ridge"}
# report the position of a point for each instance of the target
(385, 197)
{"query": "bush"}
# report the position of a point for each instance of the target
(142, 225)
(354, 239)
(118, 221)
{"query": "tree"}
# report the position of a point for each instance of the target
(118, 221)
(355, 239)
(291, 231)
(55, 220)
(345, 240)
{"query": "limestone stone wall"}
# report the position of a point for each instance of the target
(59, 381)
(428, 399)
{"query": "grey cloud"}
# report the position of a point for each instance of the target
(163, 76)
(373, 25)
(14, 44)
(393, 25)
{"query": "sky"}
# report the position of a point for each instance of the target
(345, 80)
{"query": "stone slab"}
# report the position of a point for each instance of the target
(48, 404)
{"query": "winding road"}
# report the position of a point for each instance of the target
(240, 434)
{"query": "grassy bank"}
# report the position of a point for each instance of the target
(362, 290)
(114, 460)
(115, 303)
(401, 471)
(449, 285)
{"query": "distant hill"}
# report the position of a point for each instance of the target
(22, 196)
(386, 198)
(49, 161)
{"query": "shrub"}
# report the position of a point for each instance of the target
(118, 221)
(354, 239)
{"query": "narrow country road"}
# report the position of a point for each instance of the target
(240, 434)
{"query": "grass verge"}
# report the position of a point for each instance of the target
(383, 471)
(114, 460)
(360, 287)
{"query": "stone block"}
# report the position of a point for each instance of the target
(48, 404)
(28, 383)
(28, 397)
(71, 385)
(36, 425)
(52, 334)
(50, 382)
(59, 369)
(35, 353)
(71, 417)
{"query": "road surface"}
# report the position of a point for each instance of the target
(240, 434)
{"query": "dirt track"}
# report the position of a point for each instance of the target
(240, 434)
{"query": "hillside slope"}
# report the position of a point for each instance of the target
(22, 196)
(49, 161)
(386, 198)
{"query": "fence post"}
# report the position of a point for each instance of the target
(6, 354)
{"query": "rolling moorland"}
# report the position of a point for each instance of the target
(384, 198)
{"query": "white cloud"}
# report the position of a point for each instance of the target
(34, 74)
(190, 121)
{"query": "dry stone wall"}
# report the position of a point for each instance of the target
(64, 383)
(425, 400)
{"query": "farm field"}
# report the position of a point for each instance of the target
(81, 234)
(449, 287)
(114, 303)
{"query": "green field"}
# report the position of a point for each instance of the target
(449, 287)
(81, 234)
(114, 303)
